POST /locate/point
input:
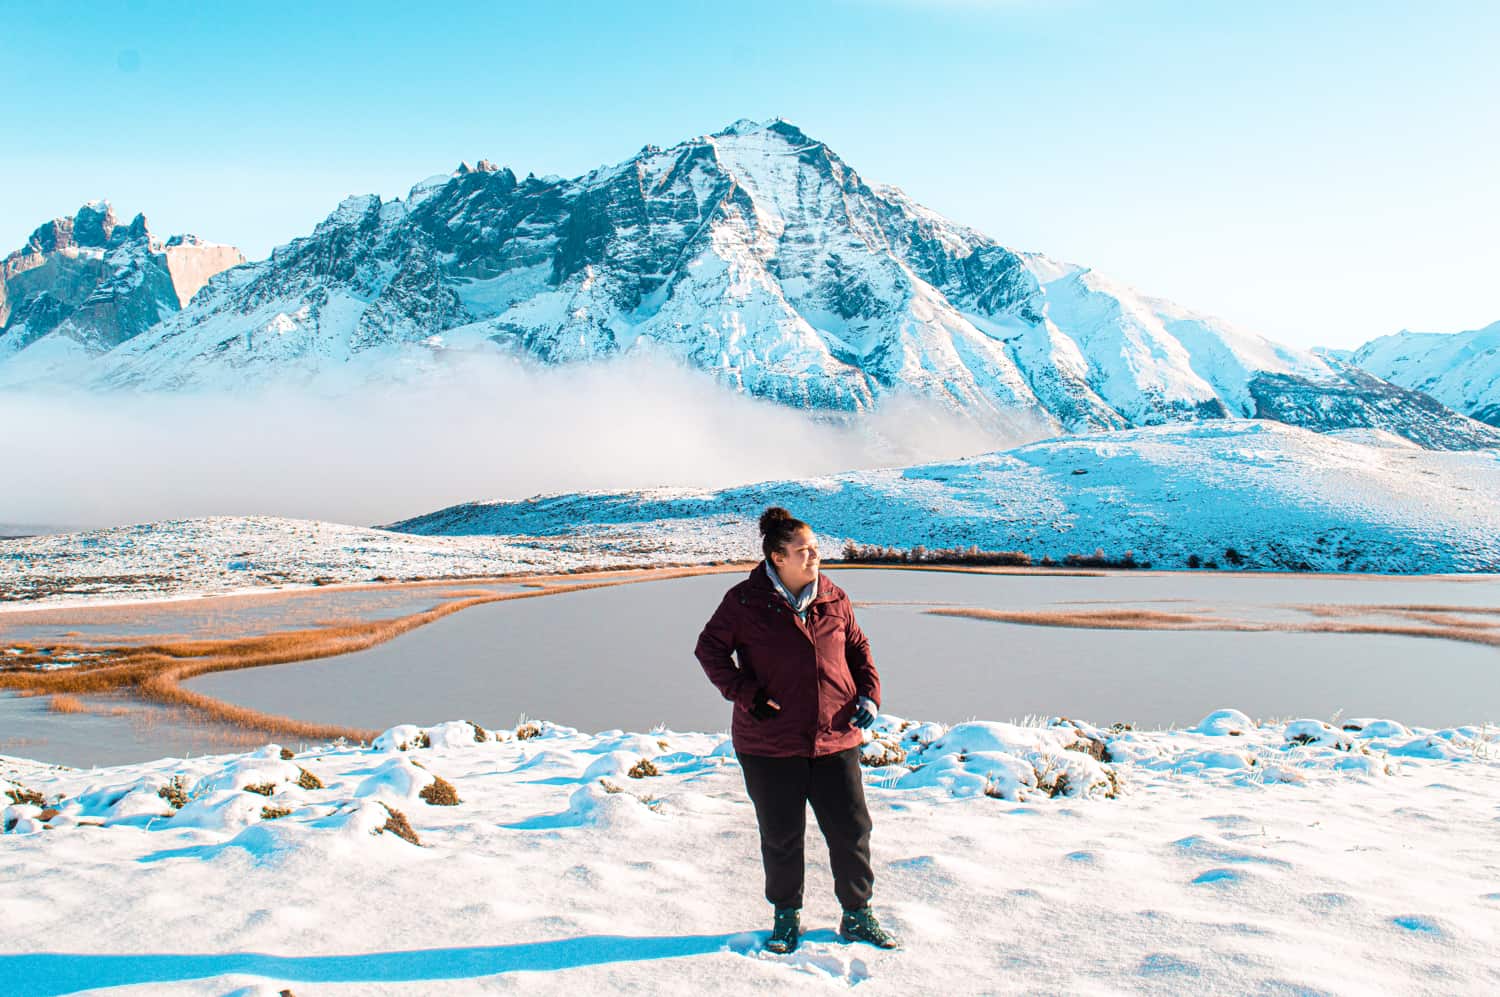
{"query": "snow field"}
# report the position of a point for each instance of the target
(1231, 857)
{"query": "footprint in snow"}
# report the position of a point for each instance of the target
(1418, 923)
(822, 954)
(1166, 964)
(1326, 901)
(1219, 877)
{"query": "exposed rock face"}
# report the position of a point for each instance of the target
(96, 283)
(755, 254)
(1461, 370)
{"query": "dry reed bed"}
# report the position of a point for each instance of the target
(154, 671)
(1466, 631)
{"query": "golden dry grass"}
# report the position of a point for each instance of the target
(1464, 631)
(1107, 619)
(154, 670)
(64, 703)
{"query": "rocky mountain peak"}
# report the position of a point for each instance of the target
(757, 255)
(93, 282)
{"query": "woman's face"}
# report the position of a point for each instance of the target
(797, 561)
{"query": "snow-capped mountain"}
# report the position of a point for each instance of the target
(1461, 370)
(84, 284)
(758, 255)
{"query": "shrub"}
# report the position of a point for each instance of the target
(262, 788)
(1233, 556)
(885, 754)
(175, 793)
(611, 787)
(23, 795)
(440, 793)
(642, 769)
(1194, 561)
(397, 824)
(480, 734)
(307, 780)
(287, 754)
(528, 730)
(273, 813)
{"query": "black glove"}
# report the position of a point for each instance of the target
(764, 707)
(865, 713)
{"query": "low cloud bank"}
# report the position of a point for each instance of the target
(492, 430)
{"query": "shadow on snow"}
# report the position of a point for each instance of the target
(45, 974)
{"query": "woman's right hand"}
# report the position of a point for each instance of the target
(764, 707)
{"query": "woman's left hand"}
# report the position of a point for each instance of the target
(865, 712)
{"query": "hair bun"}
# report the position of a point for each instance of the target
(775, 514)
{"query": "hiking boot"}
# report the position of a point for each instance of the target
(861, 926)
(786, 932)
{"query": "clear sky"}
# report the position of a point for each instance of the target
(1322, 172)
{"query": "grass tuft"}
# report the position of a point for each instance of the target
(261, 788)
(274, 813)
(307, 780)
(643, 768)
(528, 730)
(440, 793)
(175, 793)
(397, 824)
(22, 795)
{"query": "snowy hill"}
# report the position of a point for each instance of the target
(758, 255)
(1461, 370)
(84, 284)
(1280, 497)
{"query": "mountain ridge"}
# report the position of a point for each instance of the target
(755, 254)
(1459, 369)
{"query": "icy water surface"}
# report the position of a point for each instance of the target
(622, 656)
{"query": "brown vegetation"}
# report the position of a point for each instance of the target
(397, 824)
(642, 769)
(22, 795)
(440, 793)
(307, 780)
(273, 813)
(175, 793)
(528, 730)
(1102, 619)
(287, 754)
(261, 788)
(154, 671)
(857, 553)
(1134, 619)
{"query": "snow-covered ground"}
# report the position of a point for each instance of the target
(1292, 857)
(223, 554)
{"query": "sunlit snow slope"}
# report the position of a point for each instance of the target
(1461, 370)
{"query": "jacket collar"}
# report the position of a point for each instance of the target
(827, 590)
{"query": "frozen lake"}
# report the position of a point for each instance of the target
(622, 656)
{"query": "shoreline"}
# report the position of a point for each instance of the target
(106, 601)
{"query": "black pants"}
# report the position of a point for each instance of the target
(781, 789)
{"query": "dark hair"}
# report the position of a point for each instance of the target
(777, 527)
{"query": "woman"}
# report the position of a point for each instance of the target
(804, 688)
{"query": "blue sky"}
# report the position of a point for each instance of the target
(1320, 172)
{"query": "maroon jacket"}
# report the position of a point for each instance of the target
(816, 671)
